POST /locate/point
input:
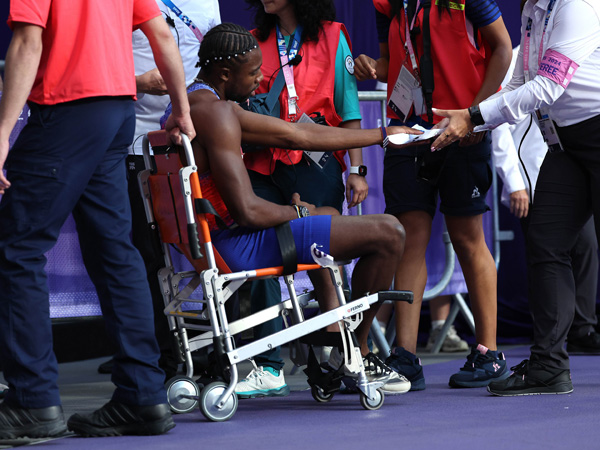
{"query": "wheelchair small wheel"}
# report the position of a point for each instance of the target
(182, 394)
(208, 402)
(374, 403)
(320, 395)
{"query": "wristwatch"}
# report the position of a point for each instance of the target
(475, 115)
(302, 211)
(358, 170)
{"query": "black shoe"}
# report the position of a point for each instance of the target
(585, 345)
(18, 422)
(116, 419)
(531, 378)
(106, 367)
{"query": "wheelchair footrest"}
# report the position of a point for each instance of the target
(396, 296)
(321, 337)
(327, 382)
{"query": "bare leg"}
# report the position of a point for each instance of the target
(480, 274)
(378, 240)
(325, 292)
(439, 307)
(411, 275)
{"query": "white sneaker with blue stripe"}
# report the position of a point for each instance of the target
(262, 382)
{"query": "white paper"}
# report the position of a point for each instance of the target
(403, 138)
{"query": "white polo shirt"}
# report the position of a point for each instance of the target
(570, 48)
(204, 14)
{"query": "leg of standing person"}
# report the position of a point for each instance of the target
(565, 196)
(582, 337)
(413, 202)
(32, 215)
(464, 182)
(103, 218)
(439, 308)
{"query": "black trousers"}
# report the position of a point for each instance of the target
(584, 261)
(567, 194)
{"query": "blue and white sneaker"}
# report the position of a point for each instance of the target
(482, 367)
(408, 365)
(262, 382)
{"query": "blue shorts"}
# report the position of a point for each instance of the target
(413, 178)
(248, 249)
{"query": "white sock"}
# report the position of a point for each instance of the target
(437, 324)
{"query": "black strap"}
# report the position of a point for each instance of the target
(273, 96)
(287, 247)
(204, 206)
(426, 63)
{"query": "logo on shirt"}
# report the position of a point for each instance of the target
(350, 64)
(475, 193)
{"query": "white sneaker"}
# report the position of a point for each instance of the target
(452, 343)
(262, 382)
(375, 370)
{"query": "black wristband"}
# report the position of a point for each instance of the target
(475, 115)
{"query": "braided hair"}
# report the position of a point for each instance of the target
(226, 44)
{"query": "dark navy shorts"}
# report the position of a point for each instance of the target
(248, 249)
(461, 176)
(321, 187)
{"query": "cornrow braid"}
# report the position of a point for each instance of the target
(226, 42)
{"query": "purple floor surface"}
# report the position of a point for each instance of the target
(437, 418)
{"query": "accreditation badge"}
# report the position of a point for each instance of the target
(406, 92)
(548, 130)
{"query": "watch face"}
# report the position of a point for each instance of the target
(362, 171)
(304, 211)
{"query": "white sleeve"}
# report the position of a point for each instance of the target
(576, 36)
(506, 159)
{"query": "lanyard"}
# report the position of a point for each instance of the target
(527, 41)
(408, 43)
(285, 55)
(185, 19)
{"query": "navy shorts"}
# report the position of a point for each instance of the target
(461, 176)
(248, 249)
(321, 187)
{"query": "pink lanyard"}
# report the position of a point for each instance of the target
(407, 40)
(288, 71)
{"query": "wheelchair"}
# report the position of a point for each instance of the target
(175, 207)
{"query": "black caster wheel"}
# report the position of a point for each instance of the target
(374, 403)
(182, 394)
(208, 402)
(320, 395)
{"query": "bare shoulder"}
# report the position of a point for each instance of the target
(214, 120)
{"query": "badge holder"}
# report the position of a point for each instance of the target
(549, 132)
(318, 158)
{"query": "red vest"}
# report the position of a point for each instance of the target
(458, 66)
(314, 79)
